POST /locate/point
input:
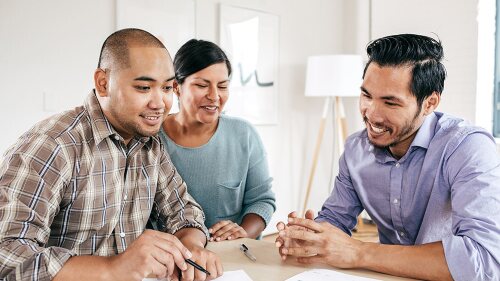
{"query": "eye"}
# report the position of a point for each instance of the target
(366, 95)
(223, 87)
(201, 86)
(142, 88)
(167, 88)
(391, 104)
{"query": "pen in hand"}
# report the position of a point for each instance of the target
(197, 266)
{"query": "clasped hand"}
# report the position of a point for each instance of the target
(317, 242)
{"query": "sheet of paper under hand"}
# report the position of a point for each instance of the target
(237, 275)
(326, 275)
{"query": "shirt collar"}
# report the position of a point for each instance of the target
(422, 139)
(102, 128)
(425, 132)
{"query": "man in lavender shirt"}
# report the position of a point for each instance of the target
(430, 181)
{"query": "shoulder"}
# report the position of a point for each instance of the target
(57, 133)
(357, 140)
(452, 132)
(237, 126)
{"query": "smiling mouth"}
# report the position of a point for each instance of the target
(377, 129)
(210, 107)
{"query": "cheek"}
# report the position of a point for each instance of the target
(223, 98)
(168, 100)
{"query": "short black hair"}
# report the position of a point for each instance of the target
(196, 55)
(115, 48)
(423, 54)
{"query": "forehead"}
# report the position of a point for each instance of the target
(388, 81)
(152, 60)
(214, 71)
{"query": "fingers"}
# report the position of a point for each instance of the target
(171, 249)
(304, 251)
(166, 260)
(297, 233)
(309, 214)
(218, 226)
(175, 242)
(229, 230)
(307, 223)
(207, 260)
(174, 276)
(293, 214)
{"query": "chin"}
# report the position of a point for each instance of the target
(379, 143)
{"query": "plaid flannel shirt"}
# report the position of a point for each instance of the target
(70, 186)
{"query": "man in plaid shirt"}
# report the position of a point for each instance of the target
(77, 189)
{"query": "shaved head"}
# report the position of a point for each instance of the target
(115, 50)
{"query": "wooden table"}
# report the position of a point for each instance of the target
(269, 266)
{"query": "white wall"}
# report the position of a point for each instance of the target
(456, 25)
(52, 47)
(48, 52)
(49, 49)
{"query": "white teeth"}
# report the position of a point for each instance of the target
(377, 130)
(211, 107)
(151, 118)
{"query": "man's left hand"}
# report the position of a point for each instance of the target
(325, 243)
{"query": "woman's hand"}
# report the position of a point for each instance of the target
(226, 230)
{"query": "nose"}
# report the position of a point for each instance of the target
(213, 93)
(156, 99)
(371, 111)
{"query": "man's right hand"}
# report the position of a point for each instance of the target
(283, 243)
(152, 254)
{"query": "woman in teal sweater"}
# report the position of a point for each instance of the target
(221, 158)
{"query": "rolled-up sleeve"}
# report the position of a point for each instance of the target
(31, 183)
(176, 208)
(343, 205)
(473, 250)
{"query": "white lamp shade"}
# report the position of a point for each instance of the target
(334, 75)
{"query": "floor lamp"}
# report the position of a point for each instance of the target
(331, 76)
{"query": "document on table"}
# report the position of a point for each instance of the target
(236, 275)
(326, 275)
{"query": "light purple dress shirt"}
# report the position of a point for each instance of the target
(445, 188)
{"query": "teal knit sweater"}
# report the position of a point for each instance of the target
(228, 176)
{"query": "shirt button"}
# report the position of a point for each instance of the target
(397, 164)
(125, 197)
(122, 235)
(402, 234)
(116, 137)
(396, 201)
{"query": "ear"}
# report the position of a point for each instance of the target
(101, 82)
(177, 88)
(431, 103)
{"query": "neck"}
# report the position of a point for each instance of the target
(187, 132)
(192, 127)
(399, 150)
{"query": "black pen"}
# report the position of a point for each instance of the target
(197, 266)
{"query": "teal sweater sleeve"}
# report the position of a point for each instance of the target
(229, 175)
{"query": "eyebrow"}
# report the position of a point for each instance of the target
(388, 98)
(208, 81)
(146, 78)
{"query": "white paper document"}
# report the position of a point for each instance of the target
(236, 275)
(327, 275)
